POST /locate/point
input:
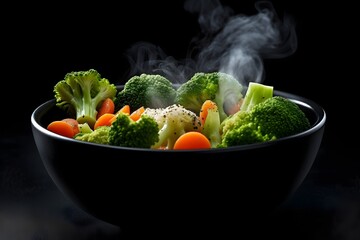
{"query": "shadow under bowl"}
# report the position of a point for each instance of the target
(129, 186)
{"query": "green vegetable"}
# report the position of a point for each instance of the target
(146, 90)
(219, 87)
(85, 128)
(265, 119)
(256, 93)
(81, 93)
(99, 135)
(173, 121)
(126, 132)
(211, 128)
(280, 117)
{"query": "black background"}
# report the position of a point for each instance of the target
(42, 42)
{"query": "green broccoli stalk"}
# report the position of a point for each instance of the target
(173, 121)
(146, 90)
(219, 87)
(256, 93)
(126, 132)
(211, 127)
(99, 135)
(81, 93)
(274, 118)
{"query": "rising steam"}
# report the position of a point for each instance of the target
(234, 44)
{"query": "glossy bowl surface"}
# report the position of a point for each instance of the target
(127, 186)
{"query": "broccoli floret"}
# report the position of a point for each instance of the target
(146, 90)
(126, 132)
(173, 121)
(280, 117)
(81, 93)
(219, 87)
(238, 129)
(99, 135)
(274, 118)
(211, 127)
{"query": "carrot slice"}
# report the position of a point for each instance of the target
(62, 128)
(104, 120)
(208, 104)
(107, 106)
(192, 140)
(74, 123)
(135, 115)
(125, 109)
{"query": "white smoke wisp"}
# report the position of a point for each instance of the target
(234, 44)
(148, 58)
(242, 43)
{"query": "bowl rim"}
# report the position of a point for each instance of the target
(299, 100)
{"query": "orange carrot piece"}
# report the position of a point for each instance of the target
(104, 120)
(135, 115)
(208, 104)
(125, 109)
(62, 128)
(192, 140)
(74, 123)
(107, 106)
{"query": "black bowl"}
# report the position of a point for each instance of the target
(129, 186)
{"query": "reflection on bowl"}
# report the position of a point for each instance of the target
(127, 186)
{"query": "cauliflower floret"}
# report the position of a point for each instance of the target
(173, 121)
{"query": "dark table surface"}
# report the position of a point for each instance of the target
(41, 46)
